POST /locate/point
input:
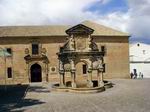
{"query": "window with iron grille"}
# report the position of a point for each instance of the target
(35, 49)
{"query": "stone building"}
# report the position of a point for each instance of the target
(34, 52)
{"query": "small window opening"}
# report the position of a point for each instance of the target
(9, 72)
(84, 69)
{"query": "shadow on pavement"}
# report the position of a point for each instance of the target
(13, 98)
(39, 89)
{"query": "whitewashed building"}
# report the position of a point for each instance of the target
(140, 59)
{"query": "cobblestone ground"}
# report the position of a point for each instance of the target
(125, 96)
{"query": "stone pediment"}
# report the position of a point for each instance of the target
(79, 29)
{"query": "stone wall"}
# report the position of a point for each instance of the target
(116, 59)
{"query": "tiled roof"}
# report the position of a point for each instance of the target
(103, 30)
(55, 30)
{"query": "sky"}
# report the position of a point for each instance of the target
(131, 16)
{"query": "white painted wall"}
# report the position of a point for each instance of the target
(140, 58)
(141, 67)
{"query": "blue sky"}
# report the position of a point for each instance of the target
(130, 16)
(112, 6)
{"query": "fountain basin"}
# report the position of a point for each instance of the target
(85, 89)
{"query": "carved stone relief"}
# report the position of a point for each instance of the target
(80, 43)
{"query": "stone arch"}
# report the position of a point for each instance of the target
(81, 68)
(36, 73)
(36, 62)
(82, 60)
(43, 69)
(81, 73)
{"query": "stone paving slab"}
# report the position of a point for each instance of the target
(126, 96)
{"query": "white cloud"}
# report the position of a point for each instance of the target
(139, 23)
(22, 12)
(36, 12)
(105, 1)
(115, 20)
(136, 20)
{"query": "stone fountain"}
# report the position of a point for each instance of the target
(80, 47)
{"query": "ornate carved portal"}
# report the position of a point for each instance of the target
(42, 61)
(80, 47)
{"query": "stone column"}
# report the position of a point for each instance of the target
(73, 75)
(100, 72)
(62, 80)
(28, 72)
(90, 83)
(61, 72)
(47, 78)
(100, 78)
(73, 82)
(44, 72)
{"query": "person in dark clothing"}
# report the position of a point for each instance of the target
(131, 74)
(135, 76)
(142, 75)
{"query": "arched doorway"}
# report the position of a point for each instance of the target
(81, 74)
(36, 73)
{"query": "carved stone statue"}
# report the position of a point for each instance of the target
(43, 51)
(26, 51)
(90, 43)
(72, 43)
(100, 66)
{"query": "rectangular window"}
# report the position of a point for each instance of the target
(84, 69)
(9, 51)
(104, 65)
(35, 49)
(9, 72)
(103, 48)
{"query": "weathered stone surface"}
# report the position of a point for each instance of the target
(116, 58)
(125, 96)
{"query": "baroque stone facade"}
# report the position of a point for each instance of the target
(40, 53)
(80, 48)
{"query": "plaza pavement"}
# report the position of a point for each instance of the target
(127, 95)
(11, 96)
